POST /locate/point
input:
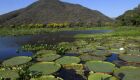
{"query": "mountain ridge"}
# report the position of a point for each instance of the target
(53, 11)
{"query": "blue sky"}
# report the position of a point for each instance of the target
(111, 8)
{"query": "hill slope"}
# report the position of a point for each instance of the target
(130, 17)
(48, 11)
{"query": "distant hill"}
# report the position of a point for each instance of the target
(53, 11)
(130, 17)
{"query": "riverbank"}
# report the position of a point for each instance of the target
(32, 31)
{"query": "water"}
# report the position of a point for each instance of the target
(10, 44)
(112, 58)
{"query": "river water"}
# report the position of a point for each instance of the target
(10, 44)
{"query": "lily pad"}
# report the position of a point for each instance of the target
(47, 57)
(50, 77)
(45, 67)
(68, 60)
(130, 58)
(9, 74)
(100, 66)
(128, 73)
(87, 57)
(101, 76)
(16, 61)
(46, 52)
(101, 53)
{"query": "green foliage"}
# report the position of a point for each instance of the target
(101, 76)
(37, 47)
(47, 57)
(68, 60)
(45, 67)
(49, 77)
(100, 66)
(87, 57)
(74, 66)
(101, 53)
(15, 61)
(130, 18)
(9, 74)
(130, 58)
(128, 73)
(42, 52)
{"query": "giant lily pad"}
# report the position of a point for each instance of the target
(68, 60)
(100, 66)
(87, 57)
(45, 67)
(130, 58)
(9, 74)
(45, 52)
(50, 77)
(16, 61)
(101, 53)
(47, 57)
(101, 76)
(128, 73)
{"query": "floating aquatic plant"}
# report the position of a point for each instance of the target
(101, 76)
(100, 66)
(130, 58)
(68, 60)
(87, 57)
(16, 61)
(49, 77)
(45, 67)
(9, 74)
(47, 57)
(128, 73)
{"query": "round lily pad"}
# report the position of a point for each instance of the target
(50, 77)
(128, 73)
(101, 76)
(130, 58)
(47, 57)
(68, 60)
(45, 67)
(100, 66)
(101, 53)
(87, 57)
(9, 74)
(74, 66)
(45, 52)
(16, 61)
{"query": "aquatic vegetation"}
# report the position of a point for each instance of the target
(8, 74)
(74, 66)
(15, 61)
(128, 73)
(45, 67)
(130, 58)
(100, 66)
(41, 52)
(49, 77)
(80, 43)
(68, 60)
(133, 52)
(101, 53)
(101, 76)
(88, 57)
(47, 57)
(36, 47)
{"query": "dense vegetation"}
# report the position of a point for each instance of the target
(130, 18)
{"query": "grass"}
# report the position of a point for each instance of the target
(31, 31)
(118, 32)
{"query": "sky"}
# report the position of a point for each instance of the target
(111, 8)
